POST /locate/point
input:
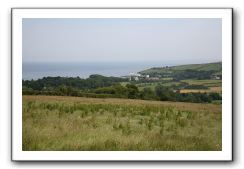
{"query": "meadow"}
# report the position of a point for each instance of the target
(212, 86)
(63, 123)
(210, 90)
(208, 83)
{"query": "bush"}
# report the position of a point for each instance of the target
(182, 122)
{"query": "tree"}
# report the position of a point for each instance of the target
(215, 96)
(164, 93)
(148, 94)
(132, 91)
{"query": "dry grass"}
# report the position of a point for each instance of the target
(76, 124)
(83, 100)
(217, 89)
(194, 91)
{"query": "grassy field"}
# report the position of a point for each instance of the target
(214, 86)
(197, 67)
(210, 90)
(152, 85)
(207, 83)
(207, 67)
(77, 124)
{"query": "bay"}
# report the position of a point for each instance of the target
(83, 69)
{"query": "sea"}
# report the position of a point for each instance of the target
(34, 70)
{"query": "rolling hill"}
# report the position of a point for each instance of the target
(211, 68)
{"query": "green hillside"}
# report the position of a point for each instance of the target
(217, 66)
(204, 67)
(210, 68)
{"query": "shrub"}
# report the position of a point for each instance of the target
(182, 121)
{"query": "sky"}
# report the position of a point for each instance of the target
(122, 40)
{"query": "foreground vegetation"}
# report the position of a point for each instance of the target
(76, 123)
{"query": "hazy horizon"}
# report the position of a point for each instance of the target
(170, 41)
(148, 64)
(37, 70)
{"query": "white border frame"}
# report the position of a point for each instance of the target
(19, 155)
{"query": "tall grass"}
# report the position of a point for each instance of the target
(69, 125)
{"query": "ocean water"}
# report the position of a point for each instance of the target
(84, 69)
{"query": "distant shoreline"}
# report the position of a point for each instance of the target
(35, 70)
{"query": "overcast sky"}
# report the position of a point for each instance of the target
(164, 40)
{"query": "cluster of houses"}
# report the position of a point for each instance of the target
(137, 77)
(216, 77)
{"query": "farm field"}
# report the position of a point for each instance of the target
(216, 67)
(152, 85)
(66, 123)
(211, 89)
(213, 86)
(208, 83)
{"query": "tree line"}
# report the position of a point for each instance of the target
(98, 86)
(182, 74)
(94, 81)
